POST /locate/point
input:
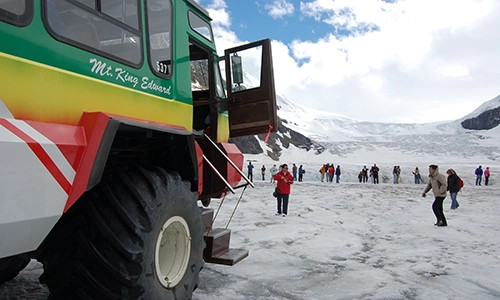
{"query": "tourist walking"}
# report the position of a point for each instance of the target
(283, 182)
(322, 171)
(294, 172)
(337, 174)
(479, 175)
(416, 174)
(394, 175)
(453, 187)
(273, 171)
(437, 182)
(331, 171)
(374, 172)
(486, 175)
(263, 171)
(301, 173)
(250, 171)
(365, 173)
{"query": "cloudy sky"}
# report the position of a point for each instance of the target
(408, 61)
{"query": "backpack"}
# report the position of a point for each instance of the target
(460, 182)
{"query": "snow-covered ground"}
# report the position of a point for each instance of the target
(360, 241)
(348, 241)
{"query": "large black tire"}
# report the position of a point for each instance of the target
(11, 266)
(107, 247)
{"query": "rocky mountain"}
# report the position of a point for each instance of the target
(487, 116)
(284, 137)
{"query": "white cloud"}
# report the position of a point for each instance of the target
(221, 23)
(280, 8)
(454, 71)
(396, 66)
(219, 14)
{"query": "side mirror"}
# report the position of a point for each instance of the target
(237, 68)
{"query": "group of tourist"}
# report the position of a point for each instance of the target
(438, 183)
(297, 173)
(329, 170)
(373, 173)
(479, 175)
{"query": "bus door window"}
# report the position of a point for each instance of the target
(205, 112)
(220, 90)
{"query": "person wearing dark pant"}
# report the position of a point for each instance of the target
(479, 175)
(283, 200)
(374, 172)
(437, 182)
(453, 187)
(437, 208)
(486, 175)
(283, 182)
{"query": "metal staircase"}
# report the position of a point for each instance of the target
(217, 240)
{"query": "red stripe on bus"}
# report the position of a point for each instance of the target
(41, 154)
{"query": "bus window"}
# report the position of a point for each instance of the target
(17, 12)
(109, 28)
(201, 26)
(159, 20)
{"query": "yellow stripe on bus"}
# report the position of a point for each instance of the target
(62, 96)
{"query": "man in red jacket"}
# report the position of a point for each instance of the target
(283, 179)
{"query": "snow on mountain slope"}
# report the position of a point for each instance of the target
(352, 140)
(327, 127)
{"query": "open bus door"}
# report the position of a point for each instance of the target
(251, 94)
(251, 106)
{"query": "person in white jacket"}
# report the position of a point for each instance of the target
(273, 171)
(437, 182)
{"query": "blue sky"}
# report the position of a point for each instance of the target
(405, 61)
(285, 20)
(254, 21)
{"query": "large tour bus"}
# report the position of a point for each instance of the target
(115, 117)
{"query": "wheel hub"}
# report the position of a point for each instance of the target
(173, 249)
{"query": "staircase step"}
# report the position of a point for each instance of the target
(228, 258)
(217, 242)
(207, 216)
